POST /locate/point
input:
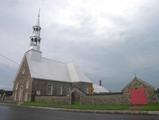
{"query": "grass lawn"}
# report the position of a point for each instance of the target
(151, 107)
(98, 107)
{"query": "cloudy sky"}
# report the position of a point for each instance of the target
(110, 40)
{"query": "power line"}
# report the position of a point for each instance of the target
(9, 59)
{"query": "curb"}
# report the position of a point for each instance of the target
(99, 111)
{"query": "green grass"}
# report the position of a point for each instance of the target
(42, 104)
(100, 107)
(150, 107)
(79, 106)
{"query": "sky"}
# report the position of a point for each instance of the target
(110, 40)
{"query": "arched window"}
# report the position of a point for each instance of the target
(27, 84)
(35, 39)
(16, 86)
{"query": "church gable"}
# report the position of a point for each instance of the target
(139, 92)
(23, 81)
(137, 83)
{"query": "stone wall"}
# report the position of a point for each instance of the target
(105, 99)
(82, 86)
(7, 98)
(58, 87)
(96, 99)
(54, 99)
(48, 87)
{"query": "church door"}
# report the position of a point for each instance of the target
(75, 97)
(138, 96)
(20, 98)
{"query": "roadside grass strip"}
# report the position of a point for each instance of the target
(150, 107)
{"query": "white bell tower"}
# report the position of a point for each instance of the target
(34, 52)
(35, 38)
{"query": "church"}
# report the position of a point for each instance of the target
(40, 76)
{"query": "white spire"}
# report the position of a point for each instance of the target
(35, 38)
(38, 20)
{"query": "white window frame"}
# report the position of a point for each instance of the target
(52, 89)
(61, 90)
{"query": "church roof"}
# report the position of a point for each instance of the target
(139, 80)
(99, 89)
(48, 69)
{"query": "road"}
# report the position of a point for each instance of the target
(20, 113)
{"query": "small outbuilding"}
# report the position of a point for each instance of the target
(98, 89)
(140, 92)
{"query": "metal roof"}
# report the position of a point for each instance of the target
(48, 69)
(99, 89)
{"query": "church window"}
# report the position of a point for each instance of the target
(20, 98)
(69, 90)
(38, 92)
(15, 96)
(23, 71)
(16, 87)
(61, 90)
(49, 86)
(35, 39)
(26, 97)
(27, 84)
(50, 89)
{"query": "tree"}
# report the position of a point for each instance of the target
(157, 90)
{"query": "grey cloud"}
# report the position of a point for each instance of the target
(115, 64)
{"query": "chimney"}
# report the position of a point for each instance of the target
(100, 82)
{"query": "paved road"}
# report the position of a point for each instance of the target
(19, 113)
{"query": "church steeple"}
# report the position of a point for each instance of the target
(35, 38)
